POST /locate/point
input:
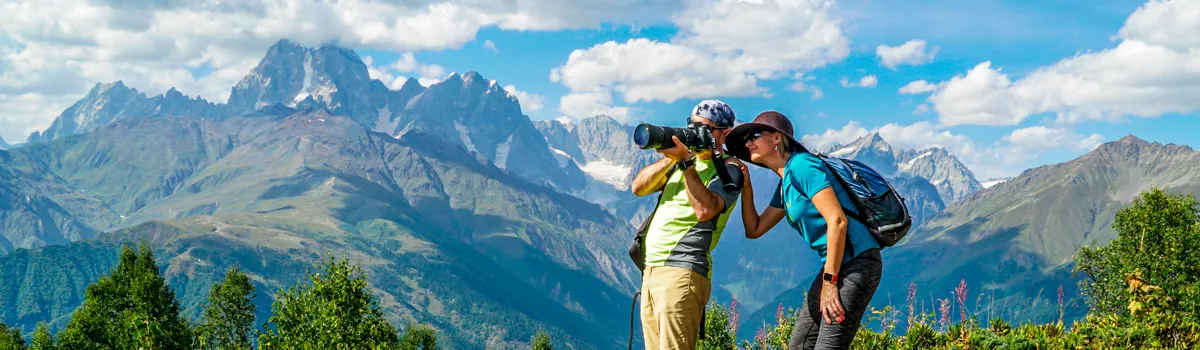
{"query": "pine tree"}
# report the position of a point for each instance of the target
(42, 339)
(132, 308)
(228, 317)
(10, 338)
(541, 340)
(335, 311)
(418, 337)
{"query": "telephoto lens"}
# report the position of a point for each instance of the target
(647, 136)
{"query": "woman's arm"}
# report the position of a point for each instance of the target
(756, 225)
(835, 239)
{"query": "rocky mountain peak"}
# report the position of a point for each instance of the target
(289, 73)
(3, 145)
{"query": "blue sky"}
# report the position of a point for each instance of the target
(1060, 76)
(1016, 37)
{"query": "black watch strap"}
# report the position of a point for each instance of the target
(684, 164)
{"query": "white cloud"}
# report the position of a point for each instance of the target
(800, 86)
(488, 44)
(395, 74)
(57, 49)
(530, 103)
(921, 108)
(593, 103)
(1154, 70)
(912, 53)
(1006, 157)
(724, 48)
(852, 131)
(917, 87)
(867, 82)
(1037, 138)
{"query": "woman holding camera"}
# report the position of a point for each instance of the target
(811, 197)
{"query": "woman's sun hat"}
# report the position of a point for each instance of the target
(735, 140)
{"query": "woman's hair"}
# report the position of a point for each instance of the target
(784, 146)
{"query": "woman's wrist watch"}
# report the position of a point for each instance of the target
(829, 277)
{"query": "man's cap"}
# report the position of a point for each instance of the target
(716, 111)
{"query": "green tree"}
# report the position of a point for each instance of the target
(132, 308)
(334, 311)
(1157, 235)
(228, 317)
(541, 341)
(418, 337)
(10, 338)
(42, 339)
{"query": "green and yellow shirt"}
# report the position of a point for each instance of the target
(675, 237)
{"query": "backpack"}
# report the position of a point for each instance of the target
(877, 205)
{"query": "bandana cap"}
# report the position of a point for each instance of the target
(716, 111)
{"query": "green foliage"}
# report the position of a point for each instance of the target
(42, 339)
(131, 308)
(541, 341)
(228, 318)
(719, 325)
(10, 338)
(418, 337)
(1158, 235)
(335, 311)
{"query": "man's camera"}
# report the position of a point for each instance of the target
(696, 136)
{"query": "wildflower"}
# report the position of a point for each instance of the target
(779, 313)
(733, 318)
(945, 309)
(961, 292)
(912, 295)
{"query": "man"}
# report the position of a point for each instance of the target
(684, 228)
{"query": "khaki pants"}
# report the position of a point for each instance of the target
(673, 300)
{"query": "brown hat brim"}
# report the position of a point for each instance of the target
(735, 140)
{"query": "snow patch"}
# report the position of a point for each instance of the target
(502, 152)
(562, 157)
(607, 172)
(466, 138)
(384, 122)
(988, 184)
(843, 152)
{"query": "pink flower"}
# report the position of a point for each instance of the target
(733, 319)
(945, 309)
(779, 313)
(961, 292)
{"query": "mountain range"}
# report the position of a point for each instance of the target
(4, 145)
(472, 217)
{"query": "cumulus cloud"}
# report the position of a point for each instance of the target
(866, 82)
(912, 53)
(530, 103)
(800, 86)
(723, 48)
(1016, 150)
(917, 87)
(57, 49)
(395, 74)
(1152, 71)
(593, 103)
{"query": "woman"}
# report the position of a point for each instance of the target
(812, 199)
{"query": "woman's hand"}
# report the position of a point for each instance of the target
(745, 172)
(831, 304)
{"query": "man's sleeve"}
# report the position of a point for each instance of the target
(717, 186)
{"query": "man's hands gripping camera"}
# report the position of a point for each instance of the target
(678, 153)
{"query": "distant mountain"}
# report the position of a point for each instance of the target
(1020, 236)
(106, 103)
(3, 145)
(603, 149)
(994, 181)
(953, 180)
(451, 238)
(473, 111)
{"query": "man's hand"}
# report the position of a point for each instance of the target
(677, 153)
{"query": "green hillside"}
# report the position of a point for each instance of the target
(446, 238)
